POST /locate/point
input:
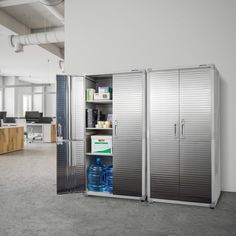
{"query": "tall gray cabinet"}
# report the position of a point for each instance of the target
(183, 135)
(128, 132)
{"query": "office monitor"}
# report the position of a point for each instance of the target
(32, 116)
(3, 115)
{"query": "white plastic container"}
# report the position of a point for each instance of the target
(101, 144)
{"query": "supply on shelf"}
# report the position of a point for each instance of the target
(90, 94)
(102, 96)
(109, 178)
(104, 93)
(103, 125)
(97, 176)
(101, 144)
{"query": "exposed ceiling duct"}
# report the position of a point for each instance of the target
(54, 36)
(47, 38)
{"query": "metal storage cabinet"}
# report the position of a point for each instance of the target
(129, 133)
(183, 135)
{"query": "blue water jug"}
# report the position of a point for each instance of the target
(97, 176)
(109, 179)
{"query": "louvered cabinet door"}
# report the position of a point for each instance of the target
(70, 122)
(62, 167)
(128, 133)
(195, 134)
(163, 102)
(70, 167)
(62, 132)
(63, 106)
(76, 180)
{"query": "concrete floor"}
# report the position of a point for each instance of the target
(29, 206)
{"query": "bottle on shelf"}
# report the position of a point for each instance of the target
(97, 176)
(109, 178)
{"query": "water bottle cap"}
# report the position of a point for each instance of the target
(98, 160)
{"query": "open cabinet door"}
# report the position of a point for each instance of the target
(70, 141)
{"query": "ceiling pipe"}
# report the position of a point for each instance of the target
(51, 6)
(19, 41)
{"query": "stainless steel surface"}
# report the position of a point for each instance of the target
(127, 167)
(77, 168)
(128, 110)
(62, 166)
(195, 103)
(70, 154)
(195, 171)
(180, 164)
(62, 105)
(77, 108)
(62, 122)
(164, 168)
(164, 103)
(195, 143)
(164, 143)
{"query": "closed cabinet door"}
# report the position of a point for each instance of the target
(128, 133)
(163, 106)
(195, 134)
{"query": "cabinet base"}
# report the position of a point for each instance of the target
(110, 195)
(210, 205)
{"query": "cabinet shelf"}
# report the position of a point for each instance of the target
(99, 194)
(100, 102)
(98, 128)
(99, 154)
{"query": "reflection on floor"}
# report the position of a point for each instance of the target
(29, 206)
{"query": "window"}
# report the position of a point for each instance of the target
(51, 105)
(38, 102)
(10, 101)
(27, 103)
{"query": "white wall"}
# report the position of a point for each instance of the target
(107, 36)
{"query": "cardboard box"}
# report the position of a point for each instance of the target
(101, 144)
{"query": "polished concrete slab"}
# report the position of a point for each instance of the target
(29, 206)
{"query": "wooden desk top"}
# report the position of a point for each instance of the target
(10, 127)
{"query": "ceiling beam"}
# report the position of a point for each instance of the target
(9, 3)
(12, 24)
(19, 28)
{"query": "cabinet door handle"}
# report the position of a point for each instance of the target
(59, 130)
(175, 129)
(115, 127)
(182, 127)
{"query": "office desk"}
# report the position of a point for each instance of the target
(46, 131)
(11, 139)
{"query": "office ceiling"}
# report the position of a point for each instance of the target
(34, 61)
